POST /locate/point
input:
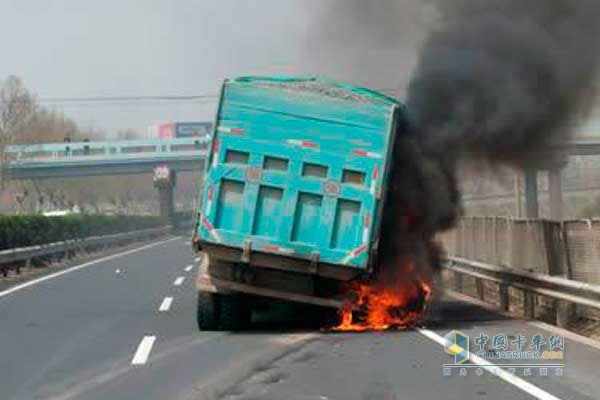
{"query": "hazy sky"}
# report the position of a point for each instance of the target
(84, 48)
(88, 48)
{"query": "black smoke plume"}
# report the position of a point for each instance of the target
(495, 79)
(504, 77)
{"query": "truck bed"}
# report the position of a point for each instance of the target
(296, 168)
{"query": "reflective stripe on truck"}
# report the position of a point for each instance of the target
(233, 131)
(206, 223)
(355, 253)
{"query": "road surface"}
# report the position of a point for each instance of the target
(123, 327)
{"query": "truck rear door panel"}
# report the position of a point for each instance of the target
(295, 177)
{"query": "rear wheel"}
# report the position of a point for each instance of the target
(234, 312)
(207, 312)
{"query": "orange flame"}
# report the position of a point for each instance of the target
(380, 308)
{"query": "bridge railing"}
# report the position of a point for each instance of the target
(568, 250)
(104, 148)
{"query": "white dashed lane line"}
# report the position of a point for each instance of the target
(166, 304)
(189, 268)
(179, 281)
(143, 351)
(197, 259)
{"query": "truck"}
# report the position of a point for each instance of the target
(294, 193)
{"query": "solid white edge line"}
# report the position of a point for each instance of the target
(179, 281)
(512, 379)
(189, 268)
(166, 304)
(81, 266)
(143, 351)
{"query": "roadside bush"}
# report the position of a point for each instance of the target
(30, 230)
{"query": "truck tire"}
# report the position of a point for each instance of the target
(207, 312)
(234, 312)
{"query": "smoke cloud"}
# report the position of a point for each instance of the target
(493, 79)
(369, 42)
(498, 79)
(504, 77)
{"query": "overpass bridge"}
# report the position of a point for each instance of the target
(67, 160)
(70, 160)
(163, 157)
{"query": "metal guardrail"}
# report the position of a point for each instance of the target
(566, 291)
(26, 254)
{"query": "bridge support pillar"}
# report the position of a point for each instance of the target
(518, 183)
(164, 182)
(166, 207)
(531, 192)
(556, 199)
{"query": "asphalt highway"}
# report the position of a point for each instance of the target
(123, 327)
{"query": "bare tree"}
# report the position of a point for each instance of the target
(17, 108)
(23, 122)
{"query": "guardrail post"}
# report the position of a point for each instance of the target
(504, 297)
(528, 304)
(80, 251)
(564, 311)
(458, 281)
(480, 289)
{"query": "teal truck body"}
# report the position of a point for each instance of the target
(295, 182)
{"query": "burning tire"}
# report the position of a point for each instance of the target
(207, 312)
